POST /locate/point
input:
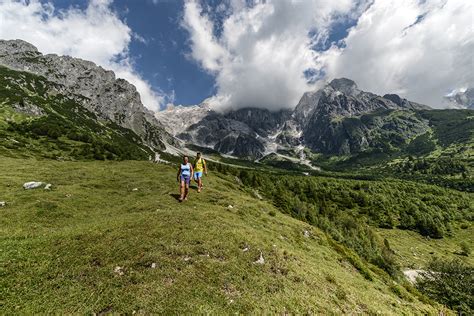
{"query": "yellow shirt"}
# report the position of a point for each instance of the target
(199, 165)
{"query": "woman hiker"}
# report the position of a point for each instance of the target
(199, 168)
(185, 173)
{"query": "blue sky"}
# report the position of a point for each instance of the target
(259, 53)
(162, 59)
(160, 47)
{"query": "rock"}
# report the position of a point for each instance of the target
(3, 203)
(412, 275)
(260, 260)
(135, 189)
(257, 195)
(118, 270)
(344, 85)
(246, 248)
(237, 179)
(32, 185)
(25, 106)
(230, 207)
(153, 265)
(306, 234)
(47, 186)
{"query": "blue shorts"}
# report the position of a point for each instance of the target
(197, 175)
(186, 179)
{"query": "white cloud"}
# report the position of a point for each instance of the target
(95, 33)
(260, 54)
(419, 49)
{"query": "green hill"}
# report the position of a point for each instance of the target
(36, 120)
(443, 155)
(111, 237)
(60, 248)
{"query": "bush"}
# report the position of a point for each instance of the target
(450, 283)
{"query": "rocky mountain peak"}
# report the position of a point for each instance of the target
(463, 99)
(95, 88)
(16, 46)
(345, 86)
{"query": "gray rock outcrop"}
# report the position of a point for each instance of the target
(337, 119)
(97, 89)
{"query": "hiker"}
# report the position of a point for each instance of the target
(185, 173)
(199, 168)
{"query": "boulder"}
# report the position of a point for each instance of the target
(260, 260)
(32, 185)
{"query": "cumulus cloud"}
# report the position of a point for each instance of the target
(95, 33)
(260, 52)
(419, 49)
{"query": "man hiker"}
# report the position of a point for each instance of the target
(199, 168)
(185, 173)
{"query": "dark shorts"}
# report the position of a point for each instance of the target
(186, 179)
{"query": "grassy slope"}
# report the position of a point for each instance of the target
(60, 248)
(414, 251)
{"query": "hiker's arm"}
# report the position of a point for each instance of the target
(177, 176)
(192, 171)
(205, 167)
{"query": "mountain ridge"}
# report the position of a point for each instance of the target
(97, 89)
(264, 131)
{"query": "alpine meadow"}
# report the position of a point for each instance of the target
(236, 157)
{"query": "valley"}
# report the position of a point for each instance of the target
(315, 210)
(61, 248)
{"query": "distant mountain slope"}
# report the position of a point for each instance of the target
(36, 119)
(89, 85)
(326, 121)
(463, 100)
(347, 120)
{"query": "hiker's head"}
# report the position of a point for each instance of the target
(198, 155)
(185, 159)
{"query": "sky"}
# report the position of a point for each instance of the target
(258, 53)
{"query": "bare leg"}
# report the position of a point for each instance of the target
(199, 185)
(186, 191)
(181, 191)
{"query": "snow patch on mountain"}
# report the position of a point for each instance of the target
(177, 118)
(460, 99)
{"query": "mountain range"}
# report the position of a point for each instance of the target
(313, 210)
(329, 121)
(338, 122)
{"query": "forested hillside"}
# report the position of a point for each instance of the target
(38, 121)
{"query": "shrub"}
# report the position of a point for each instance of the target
(450, 283)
